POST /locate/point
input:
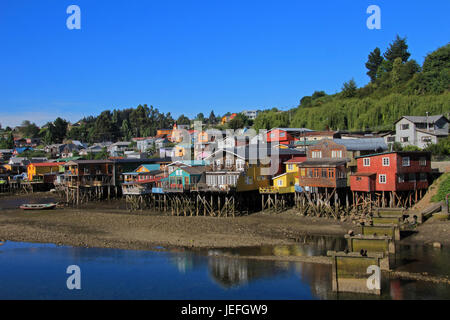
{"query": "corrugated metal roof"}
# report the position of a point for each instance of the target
(363, 144)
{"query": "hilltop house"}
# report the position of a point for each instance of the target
(421, 131)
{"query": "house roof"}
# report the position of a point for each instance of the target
(189, 163)
(45, 164)
(363, 144)
(296, 160)
(194, 170)
(152, 173)
(320, 133)
(149, 167)
(423, 119)
(77, 162)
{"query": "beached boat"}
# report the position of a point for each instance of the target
(43, 206)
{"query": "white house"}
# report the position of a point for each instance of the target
(421, 131)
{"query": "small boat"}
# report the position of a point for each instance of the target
(43, 206)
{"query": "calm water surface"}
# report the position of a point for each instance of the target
(38, 271)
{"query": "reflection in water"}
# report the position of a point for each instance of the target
(308, 245)
(36, 271)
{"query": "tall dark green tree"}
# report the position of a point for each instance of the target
(60, 130)
(373, 63)
(397, 49)
(212, 118)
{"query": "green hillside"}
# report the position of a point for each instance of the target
(398, 86)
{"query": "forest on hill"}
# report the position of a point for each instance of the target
(398, 86)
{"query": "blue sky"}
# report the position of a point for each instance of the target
(193, 56)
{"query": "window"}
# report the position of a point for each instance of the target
(401, 178)
(248, 180)
(290, 167)
(316, 173)
(229, 162)
(366, 162)
(310, 173)
(423, 176)
(405, 126)
(324, 173)
(280, 183)
(386, 162)
(404, 139)
(390, 139)
(303, 172)
(405, 162)
(358, 179)
(412, 177)
(423, 161)
(336, 154)
(382, 178)
(426, 139)
(316, 154)
(330, 173)
(282, 134)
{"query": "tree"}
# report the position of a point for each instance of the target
(349, 89)
(7, 143)
(397, 146)
(60, 130)
(28, 129)
(438, 60)
(306, 102)
(183, 120)
(318, 94)
(397, 49)
(212, 118)
(200, 117)
(237, 122)
(373, 63)
(396, 70)
(126, 131)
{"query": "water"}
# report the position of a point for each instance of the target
(38, 271)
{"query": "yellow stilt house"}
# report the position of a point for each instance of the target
(286, 182)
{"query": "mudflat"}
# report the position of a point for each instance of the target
(109, 225)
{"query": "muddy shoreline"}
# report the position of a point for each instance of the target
(109, 225)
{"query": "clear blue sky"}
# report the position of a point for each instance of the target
(193, 56)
